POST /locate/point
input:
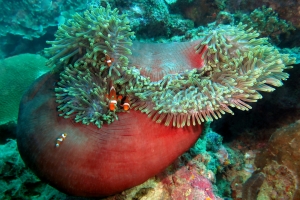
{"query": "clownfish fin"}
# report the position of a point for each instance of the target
(126, 103)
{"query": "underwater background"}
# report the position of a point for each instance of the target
(252, 154)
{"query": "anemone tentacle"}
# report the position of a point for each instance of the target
(80, 51)
(237, 66)
(178, 84)
(87, 38)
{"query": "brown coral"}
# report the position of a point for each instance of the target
(280, 161)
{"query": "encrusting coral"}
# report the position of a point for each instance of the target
(16, 74)
(266, 21)
(17, 181)
(94, 50)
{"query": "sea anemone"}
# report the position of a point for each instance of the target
(236, 65)
(90, 38)
(177, 83)
(91, 52)
(182, 84)
(85, 160)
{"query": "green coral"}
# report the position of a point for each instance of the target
(30, 19)
(17, 181)
(267, 23)
(221, 4)
(16, 74)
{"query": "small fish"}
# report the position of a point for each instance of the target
(126, 104)
(226, 162)
(112, 97)
(60, 139)
(120, 97)
(108, 60)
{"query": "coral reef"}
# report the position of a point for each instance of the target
(266, 22)
(252, 186)
(200, 12)
(25, 25)
(96, 71)
(280, 182)
(263, 20)
(184, 180)
(287, 10)
(17, 181)
(31, 18)
(295, 52)
(155, 19)
(268, 169)
(231, 179)
(280, 164)
(210, 152)
(221, 4)
(16, 74)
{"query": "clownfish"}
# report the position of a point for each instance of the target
(112, 97)
(60, 139)
(126, 104)
(108, 60)
(120, 97)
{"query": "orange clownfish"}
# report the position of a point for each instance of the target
(126, 104)
(120, 97)
(108, 60)
(60, 139)
(112, 97)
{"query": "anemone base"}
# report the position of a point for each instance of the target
(92, 161)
